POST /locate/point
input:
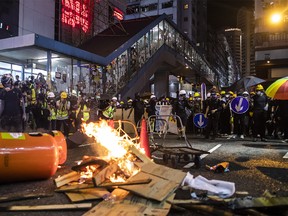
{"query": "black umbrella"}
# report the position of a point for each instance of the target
(246, 82)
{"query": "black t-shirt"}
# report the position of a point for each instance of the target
(12, 100)
(260, 102)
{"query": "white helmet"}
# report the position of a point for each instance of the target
(152, 96)
(182, 92)
(114, 98)
(245, 93)
(51, 95)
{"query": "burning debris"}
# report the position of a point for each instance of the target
(123, 165)
(118, 163)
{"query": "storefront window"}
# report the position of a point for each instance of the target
(4, 65)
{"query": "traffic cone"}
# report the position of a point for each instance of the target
(111, 123)
(144, 141)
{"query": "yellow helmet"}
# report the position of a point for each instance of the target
(63, 95)
(222, 92)
(190, 98)
(197, 94)
(231, 93)
(259, 87)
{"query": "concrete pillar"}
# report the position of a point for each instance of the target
(161, 83)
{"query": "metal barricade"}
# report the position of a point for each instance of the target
(158, 127)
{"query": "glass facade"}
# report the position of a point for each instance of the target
(64, 73)
(124, 67)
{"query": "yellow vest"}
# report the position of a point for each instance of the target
(62, 112)
(85, 111)
(33, 96)
(109, 112)
(52, 114)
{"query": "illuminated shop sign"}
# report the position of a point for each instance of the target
(77, 13)
(118, 14)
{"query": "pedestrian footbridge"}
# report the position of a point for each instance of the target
(137, 51)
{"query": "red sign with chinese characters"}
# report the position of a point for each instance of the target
(77, 13)
(118, 14)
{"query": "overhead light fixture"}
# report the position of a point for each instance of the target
(45, 59)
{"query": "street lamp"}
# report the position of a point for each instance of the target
(276, 18)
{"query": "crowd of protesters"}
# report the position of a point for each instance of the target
(265, 119)
(29, 105)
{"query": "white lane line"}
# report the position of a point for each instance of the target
(286, 155)
(202, 156)
(155, 157)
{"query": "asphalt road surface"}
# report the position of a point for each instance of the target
(255, 167)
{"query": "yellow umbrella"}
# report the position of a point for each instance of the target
(278, 89)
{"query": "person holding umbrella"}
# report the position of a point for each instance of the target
(278, 91)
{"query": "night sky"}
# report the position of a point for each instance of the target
(223, 13)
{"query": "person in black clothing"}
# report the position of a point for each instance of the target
(139, 108)
(212, 112)
(14, 109)
(179, 108)
(280, 114)
(260, 108)
(151, 108)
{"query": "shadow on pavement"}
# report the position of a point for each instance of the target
(273, 172)
(268, 146)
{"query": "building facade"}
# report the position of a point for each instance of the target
(271, 39)
(245, 22)
(59, 26)
(189, 15)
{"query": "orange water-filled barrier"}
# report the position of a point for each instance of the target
(62, 145)
(30, 156)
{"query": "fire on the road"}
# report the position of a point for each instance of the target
(117, 144)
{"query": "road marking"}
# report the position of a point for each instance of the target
(202, 156)
(286, 155)
(155, 157)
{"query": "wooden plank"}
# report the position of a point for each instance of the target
(140, 155)
(15, 197)
(128, 182)
(47, 207)
(165, 181)
(74, 188)
(164, 172)
(87, 194)
(67, 178)
(158, 189)
(104, 174)
(129, 204)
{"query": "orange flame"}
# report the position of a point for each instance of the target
(116, 145)
(107, 137)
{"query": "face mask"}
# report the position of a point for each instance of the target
(258, 92)
(227, 96)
